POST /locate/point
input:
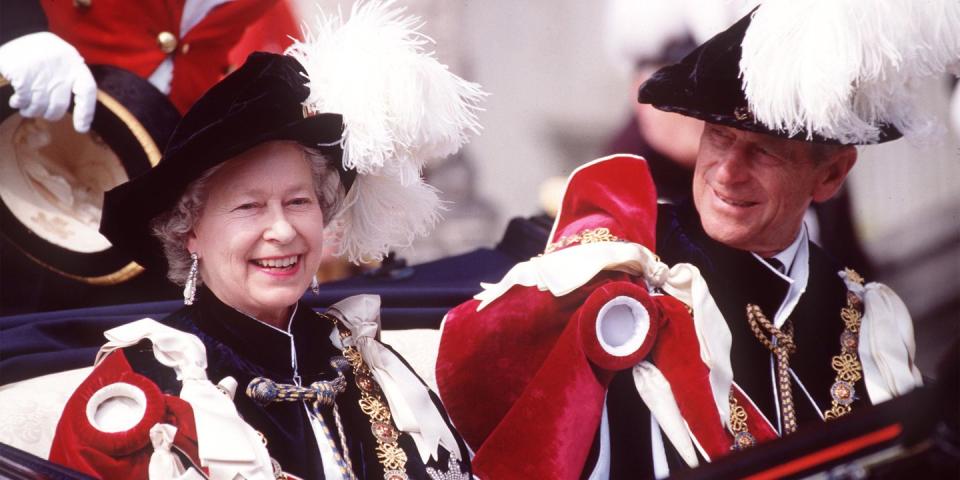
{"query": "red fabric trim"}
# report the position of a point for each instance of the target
(833, 452)
(548, 431)
(757, 423)
(524, 379)
(487, 359)
(557, 415)
(587, 315)
(180, 413)
(677, 356)
(79, 445)
(616, 193)
(534, 406)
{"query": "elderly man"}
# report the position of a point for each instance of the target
(570, 347)
(803, 329)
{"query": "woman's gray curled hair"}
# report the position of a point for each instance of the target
(173, 226)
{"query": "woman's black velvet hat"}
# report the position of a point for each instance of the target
(707, 85)
(259, 102)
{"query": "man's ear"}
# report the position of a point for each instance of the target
(834, 172)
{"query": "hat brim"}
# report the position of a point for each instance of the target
(131, 123)
(707, 85)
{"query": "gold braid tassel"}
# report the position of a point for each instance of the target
(846, 364)
(763, 329)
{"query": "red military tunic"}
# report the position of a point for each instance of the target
(140, 35)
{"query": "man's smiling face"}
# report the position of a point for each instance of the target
(752, 189)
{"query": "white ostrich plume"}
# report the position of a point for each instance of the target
(380, 213)
(839, 68)
(400, 106)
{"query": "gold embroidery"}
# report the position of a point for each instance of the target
(391, 456)
(851, 314)
(847, 367)
(596, 235)
(853, 276)
(738, 424)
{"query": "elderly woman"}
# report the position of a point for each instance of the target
(236, 212)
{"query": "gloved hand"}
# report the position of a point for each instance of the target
(44, 70)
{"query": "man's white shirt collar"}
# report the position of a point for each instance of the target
(795, 259)
(788, 255)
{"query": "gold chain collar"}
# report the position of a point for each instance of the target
(389, 454)
(846, 365)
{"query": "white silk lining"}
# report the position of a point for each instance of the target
(656, 393)
(622, 326)
(116, 407)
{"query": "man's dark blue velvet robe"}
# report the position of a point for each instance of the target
(736, 278)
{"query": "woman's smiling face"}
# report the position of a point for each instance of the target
(260, 233)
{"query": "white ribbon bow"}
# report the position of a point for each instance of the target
(409, 399)
(227, 446)
(655, 391)
(563, 271)
(164, 464)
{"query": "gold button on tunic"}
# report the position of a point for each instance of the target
(167, 42)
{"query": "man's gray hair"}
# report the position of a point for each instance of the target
(820, 153)
(173, 226)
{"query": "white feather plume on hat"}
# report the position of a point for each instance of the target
(839, 68)
(400, 106)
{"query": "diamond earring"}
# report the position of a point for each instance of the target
(190, 288)
(315, 285)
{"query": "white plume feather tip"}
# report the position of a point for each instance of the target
(839, 68)
(401, 107)
(382, 213)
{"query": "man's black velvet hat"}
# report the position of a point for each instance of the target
(707, 84)
(260, 102)
(42, 235)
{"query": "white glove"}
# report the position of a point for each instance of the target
(44, 69)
